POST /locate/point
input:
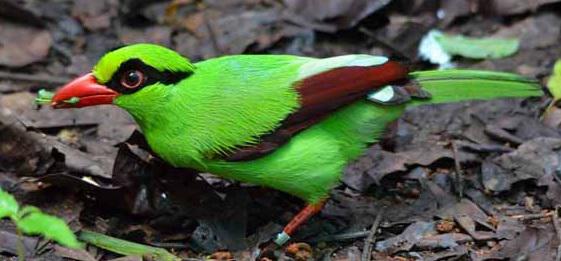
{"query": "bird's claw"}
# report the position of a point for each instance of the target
(266, 250)
(281, 238)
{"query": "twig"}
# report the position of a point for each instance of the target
(557, 226)
(556, 177)
(20, 246)
(33, 78)
(341, 237)
(41, 247)
(486, 148)
(458, 177)
(175, 246)
(533, 216)
(500, 134)
(367, 251)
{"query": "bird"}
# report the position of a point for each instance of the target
(287, 122)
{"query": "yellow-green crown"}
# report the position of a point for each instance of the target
(158, 57)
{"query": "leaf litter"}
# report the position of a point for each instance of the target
(100, 175)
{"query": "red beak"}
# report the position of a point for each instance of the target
(81, 92)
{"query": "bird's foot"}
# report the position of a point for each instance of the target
(281, 238)
(267, 249)
(300, 218)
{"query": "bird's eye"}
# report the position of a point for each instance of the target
(132, 79)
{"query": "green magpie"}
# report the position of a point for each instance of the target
(287, 122)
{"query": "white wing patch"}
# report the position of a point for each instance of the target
(322, 65)
(384, 95)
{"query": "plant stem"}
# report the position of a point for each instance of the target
(126, 248)
(20, 246)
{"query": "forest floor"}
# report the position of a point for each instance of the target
(468, 181)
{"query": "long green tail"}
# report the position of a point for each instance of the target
(461, 85)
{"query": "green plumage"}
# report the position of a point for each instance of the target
(460, 85)
(230, 102)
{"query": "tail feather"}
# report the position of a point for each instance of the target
(462, 85)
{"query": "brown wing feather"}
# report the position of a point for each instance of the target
(330, 90)
(319, 95)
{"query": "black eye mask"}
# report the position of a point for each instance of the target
(151, 76)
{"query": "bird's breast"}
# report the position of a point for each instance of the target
(174, 149)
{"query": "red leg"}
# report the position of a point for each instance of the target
(304, 214)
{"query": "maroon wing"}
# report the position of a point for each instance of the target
(321, 94)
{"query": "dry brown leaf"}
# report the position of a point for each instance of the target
(332, 15)
(21, 45)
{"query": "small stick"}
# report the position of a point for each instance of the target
(33, 78)
(367, 251)
(500, 134)
(341, 237)
(533, 216)
(458, 177)
(557, 226)
(175, 246)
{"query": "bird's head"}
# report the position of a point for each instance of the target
(131, 77)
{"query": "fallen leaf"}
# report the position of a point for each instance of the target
(449, 240)
(531, 161)
(453, 254)
(533, 32)
(18, 12)
(452, 9)
(74, 254)
(11, 243)
(217, 32)
(332, 15)
(495, 178)
(154, 34)
(513, 7)
(94, 15)
(21, 45)
(438, 47)
(347, 254)
(403, 33)
(32, 153)
(378, 163)
(412, 235)
(533, 243)
(552, 115)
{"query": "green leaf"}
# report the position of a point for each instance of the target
(477, 48)
(44, 97)
(34, 222)
(72, 100)
(554, 83)
(126, 248)
(8, 205)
